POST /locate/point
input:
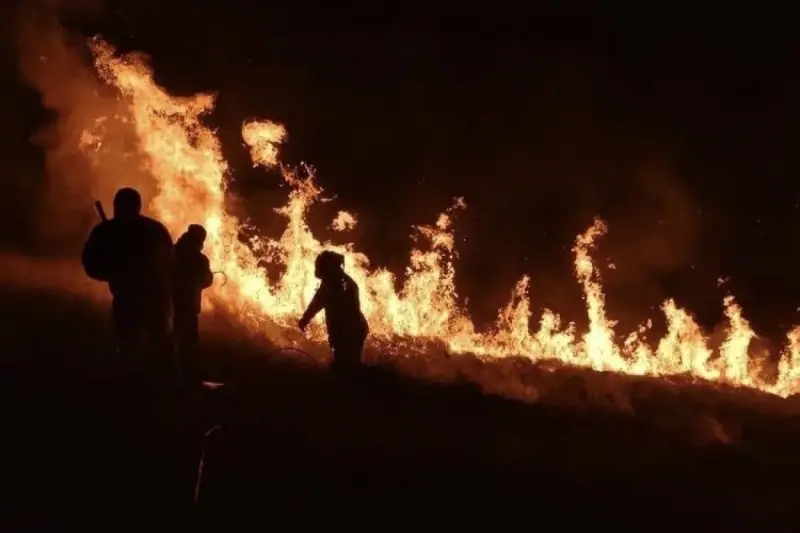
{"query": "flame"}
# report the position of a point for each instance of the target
(344, 221)
(184, 157)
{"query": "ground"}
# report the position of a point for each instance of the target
(296, 447)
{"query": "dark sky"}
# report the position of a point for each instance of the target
(681, 132)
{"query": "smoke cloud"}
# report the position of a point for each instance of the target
(90, 150)
(653, 239)
(89, 145)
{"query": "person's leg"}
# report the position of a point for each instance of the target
(160, 343)
(180, 325)
(347, 356)
(163, 391)
(129, 338)
(186, 334)
(191, 333)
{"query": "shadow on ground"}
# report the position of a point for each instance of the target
(298, 449)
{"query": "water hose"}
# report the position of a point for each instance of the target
(201, 463)
(214, 386)
(224, 275)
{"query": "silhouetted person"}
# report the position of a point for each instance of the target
(192, 275)
(134, 255)
(338, 296)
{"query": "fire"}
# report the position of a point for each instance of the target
(344, 221)
(184, 157)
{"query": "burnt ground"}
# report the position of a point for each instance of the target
(297, 448)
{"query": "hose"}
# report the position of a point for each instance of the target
(295, 350)
(202, 463)
(224, 275)
(217, 427)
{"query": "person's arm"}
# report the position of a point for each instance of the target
(94, 257)
(316, 305)
(206, 276)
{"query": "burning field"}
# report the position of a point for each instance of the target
(713, 411)
(177, 159)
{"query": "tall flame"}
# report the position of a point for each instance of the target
(185, 159)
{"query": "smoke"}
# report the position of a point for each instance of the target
(91, 150)
(51, 275)
(654, 239)
(89, 145)
(659, 227)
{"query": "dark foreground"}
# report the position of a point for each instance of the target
(298, 449)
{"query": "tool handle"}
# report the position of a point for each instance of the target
(98, 205)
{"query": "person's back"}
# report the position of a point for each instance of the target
(343, 316)
(133, 257)
(192, 270)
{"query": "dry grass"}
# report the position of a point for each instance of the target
(417, 432)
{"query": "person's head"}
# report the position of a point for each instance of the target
(328, 265)
(127, 203)
(196, 236)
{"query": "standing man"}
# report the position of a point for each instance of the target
(134, 255)
(192, 276)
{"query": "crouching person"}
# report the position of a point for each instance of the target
(338, 297)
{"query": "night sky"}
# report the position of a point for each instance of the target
(680, 132)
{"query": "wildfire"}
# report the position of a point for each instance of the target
(344, 221)
(185, 159)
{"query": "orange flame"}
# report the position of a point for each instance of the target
(185, 158)
(344, 221)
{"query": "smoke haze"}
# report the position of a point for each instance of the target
(89, 145)
(90, 151)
